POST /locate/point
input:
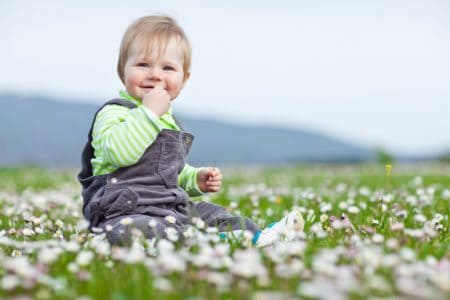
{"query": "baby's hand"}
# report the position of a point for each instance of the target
(157, 101)
(209, 179)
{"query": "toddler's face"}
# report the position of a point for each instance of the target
(145, 70)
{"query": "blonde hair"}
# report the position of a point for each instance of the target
(150, 30)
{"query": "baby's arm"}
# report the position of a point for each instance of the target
(123, 134)
(188, 180)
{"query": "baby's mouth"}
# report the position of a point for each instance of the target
(150, 87)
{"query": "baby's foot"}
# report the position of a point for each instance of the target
(284, 230)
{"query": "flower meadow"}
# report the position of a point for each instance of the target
(370, 233)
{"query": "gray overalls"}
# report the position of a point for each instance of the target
(148, 190)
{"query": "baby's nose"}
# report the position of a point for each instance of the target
(155, 74)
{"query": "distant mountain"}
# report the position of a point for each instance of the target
(43, 131)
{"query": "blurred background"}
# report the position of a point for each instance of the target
(296, 81)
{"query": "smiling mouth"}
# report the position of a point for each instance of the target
(150, 87)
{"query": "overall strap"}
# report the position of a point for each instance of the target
(88, 151)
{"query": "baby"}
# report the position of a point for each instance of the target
(134, 171)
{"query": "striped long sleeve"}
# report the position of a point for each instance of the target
(120, 137)
(188, 180)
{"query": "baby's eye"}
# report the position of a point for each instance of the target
(143, 65)
(168, 68)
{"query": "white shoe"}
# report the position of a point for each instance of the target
(284, 230)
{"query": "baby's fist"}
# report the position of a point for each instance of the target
(157, 101)
(209, 179)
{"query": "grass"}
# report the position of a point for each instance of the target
(405, 196)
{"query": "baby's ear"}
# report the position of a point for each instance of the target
(186, 76)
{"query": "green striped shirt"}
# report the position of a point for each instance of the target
(121, 135)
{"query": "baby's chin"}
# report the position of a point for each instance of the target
(136, 96)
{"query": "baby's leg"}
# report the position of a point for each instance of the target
(217, 216)
(118, 229)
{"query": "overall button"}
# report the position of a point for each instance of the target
(114, 180)
(187, 140)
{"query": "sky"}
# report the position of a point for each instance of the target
(375, 73)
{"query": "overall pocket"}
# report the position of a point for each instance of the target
(122, 202)
(170, 163)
